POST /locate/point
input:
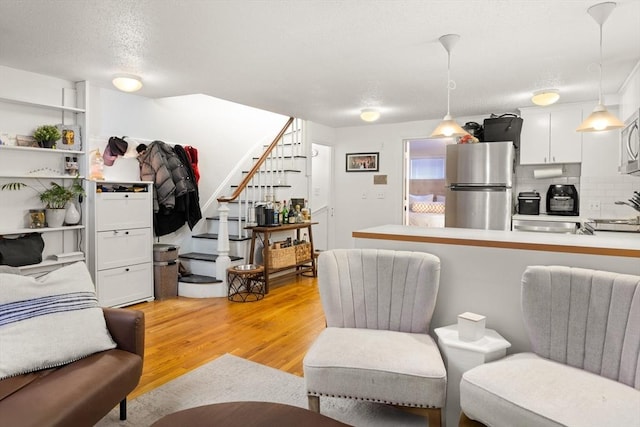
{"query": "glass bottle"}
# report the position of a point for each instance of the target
(292, 215)
(285, 213)
(276, 213)
(298, 215)
(306, 212)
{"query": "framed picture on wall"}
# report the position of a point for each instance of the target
(362, 162)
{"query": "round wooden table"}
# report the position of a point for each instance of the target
(246, 414)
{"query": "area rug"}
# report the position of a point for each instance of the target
(230, 378)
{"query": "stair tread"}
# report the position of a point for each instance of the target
(199, 278)
(201, 256)
(231, 218)
(263, 186)
(285, 157)
(284, 170)
(286, 144)
(214, 236)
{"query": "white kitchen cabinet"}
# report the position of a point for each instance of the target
(121, 242)
(549, 136)
(22, 110)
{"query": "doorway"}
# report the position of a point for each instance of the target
(321, 198)
(424, 182)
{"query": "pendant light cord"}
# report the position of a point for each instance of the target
(448, 82)
(600, 66)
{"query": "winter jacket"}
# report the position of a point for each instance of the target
(153, 167)
(187, 207)
(160, 164)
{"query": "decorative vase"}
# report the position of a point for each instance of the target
(72, 215)
(55, 217)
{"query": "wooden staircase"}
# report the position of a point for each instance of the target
(279, 173)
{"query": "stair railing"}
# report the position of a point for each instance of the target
(223, 261)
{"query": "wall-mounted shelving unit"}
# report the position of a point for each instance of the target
(37, 166)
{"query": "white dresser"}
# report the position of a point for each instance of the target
(121, 242)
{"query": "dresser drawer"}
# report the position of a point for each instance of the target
(125, 285)
(123, 247)
(123, 210)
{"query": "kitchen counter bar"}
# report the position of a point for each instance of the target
(610, 244)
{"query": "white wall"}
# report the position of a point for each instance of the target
(357, 204)
(222, 131)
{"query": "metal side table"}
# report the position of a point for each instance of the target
(246, 283)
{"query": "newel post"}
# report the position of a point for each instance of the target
(223, 261)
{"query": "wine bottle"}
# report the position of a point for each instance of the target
(292, 215)
(285, 213)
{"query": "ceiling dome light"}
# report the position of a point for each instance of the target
(369, 114)
(448, 128)
(127, 82)
(600, 119)
(545, 97)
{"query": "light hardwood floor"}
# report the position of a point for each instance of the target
(184, 333)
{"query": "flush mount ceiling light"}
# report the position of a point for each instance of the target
(448, 128)
(545, 97)
(600, 119)
(127, 82)
(369, 114)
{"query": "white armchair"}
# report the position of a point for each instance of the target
(376, 347)
(584, 329)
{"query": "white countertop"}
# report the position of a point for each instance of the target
(627, 244)
(554, 218)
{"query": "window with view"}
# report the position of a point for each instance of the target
(427, 168)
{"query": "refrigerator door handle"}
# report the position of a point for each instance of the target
(471, 187)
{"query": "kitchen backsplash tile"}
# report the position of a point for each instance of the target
(599, 194)
(525, 180)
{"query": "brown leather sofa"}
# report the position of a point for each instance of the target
(83, 392)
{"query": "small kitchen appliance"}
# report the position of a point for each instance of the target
(562, 199)
(630, 145)
(529, 203)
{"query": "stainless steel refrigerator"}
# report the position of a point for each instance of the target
(479, 181)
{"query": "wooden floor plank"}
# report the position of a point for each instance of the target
(185, 333)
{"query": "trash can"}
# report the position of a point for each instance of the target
(165, 271)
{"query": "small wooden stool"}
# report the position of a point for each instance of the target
(246, 283)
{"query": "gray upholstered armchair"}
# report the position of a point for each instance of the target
(584, 329)
(376, 347)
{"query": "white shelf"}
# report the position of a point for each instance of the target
(41, 150)
(45, 106)
(49, 262)
(39, 230)
(41, 176)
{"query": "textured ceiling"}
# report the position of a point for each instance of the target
(324, 60)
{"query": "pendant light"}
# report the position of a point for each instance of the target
(600, 119)
(448, 128)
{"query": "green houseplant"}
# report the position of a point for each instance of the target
(46, 136)
(55, 197)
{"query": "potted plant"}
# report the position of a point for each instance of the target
(46, 136)
(55, 198)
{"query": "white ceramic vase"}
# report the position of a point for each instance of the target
(72, 215)
(55, 217)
